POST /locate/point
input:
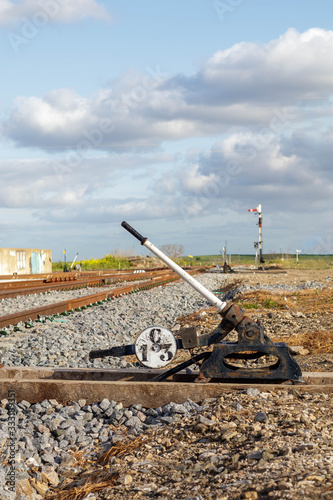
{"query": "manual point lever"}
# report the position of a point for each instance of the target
(156, 346)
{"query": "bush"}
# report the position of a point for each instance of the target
(107, 262)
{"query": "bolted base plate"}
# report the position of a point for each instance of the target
(218, 366)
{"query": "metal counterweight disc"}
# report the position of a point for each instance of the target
(155, 347)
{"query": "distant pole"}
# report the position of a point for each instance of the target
(256, 245)
(224, 250)
(65, 266)
(297, 252)
(261, 260)
(259, 211)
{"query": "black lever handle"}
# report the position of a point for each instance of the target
(131, 230)
(117, 351)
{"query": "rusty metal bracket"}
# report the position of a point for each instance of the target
(189, 337)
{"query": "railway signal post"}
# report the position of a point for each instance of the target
(256, 246)
(259, 211)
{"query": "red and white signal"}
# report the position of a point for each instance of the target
(259, 210)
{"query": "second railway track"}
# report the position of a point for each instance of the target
(63, 307)
(14, 288)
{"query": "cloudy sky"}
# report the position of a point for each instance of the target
(175, 116)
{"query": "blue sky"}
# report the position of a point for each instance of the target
(174, 116)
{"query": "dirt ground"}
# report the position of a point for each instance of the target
(302, 319)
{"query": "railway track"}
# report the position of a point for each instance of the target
(130, 387)
(61, 276)
(64, 307)
(11, 294)
(12, 290)
(23, 280)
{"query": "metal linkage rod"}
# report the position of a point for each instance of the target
(212, 299)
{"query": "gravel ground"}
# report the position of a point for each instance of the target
(250, 444)
(245, 445)
(278, 287)
(68, 340)
(24, 302)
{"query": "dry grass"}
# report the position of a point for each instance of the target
(304, 301)
(3, 444)
(96, 475)
(265, 300)
(119, 449)
(317, 301)
(89, 482)
(317, 342)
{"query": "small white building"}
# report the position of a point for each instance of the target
(25, 261)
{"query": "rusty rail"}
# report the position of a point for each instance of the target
(80, 274)
(49, 287)
(15, 289)
(77, 303)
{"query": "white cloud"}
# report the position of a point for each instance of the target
(267, 107)
(290, 173)
(58, 118)
(216, 189)
(247, 86)
(293, 66)
(31, 184)
(57, 11)
(40, 183)
(196, 182)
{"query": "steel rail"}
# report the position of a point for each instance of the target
(10, 294)
(14, 284)
(34, 384)
(77, 303)
(120, 276)
(66, 276)
(64, 279)
(44, 287)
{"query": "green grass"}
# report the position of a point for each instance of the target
(288, 262)
(307, 262)
(270, 303)
(249, 306)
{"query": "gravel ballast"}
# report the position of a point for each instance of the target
(248, 444)
(66, 341)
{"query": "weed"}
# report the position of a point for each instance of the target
(270, 303)
(249, 306)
